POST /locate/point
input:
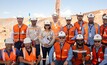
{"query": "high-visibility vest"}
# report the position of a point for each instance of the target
(19, 33)
(103, 33)
(61, 54)
(78, 27)
(12, 56)
(79, 54)
(97, 56)
(70, 33)
(31, 57)
(56, 27)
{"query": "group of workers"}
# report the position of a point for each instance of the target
(83, 43)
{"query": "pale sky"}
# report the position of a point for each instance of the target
(13, 8)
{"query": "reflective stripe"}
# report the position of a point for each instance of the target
(60, 56)
(83, 51)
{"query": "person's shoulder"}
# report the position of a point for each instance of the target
(86, 47)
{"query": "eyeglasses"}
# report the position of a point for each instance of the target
(97, 41)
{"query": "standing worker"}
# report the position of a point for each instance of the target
(103, 30)
(80, 26)
(56, 25)
(69, 29)
(93, 28)
(9, 55)
(19, 32)
(62, 50)
(81, 53)
(33, 33)
(97, 50)
(47, 39)
(28, 54)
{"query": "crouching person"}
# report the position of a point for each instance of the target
(81, 53)
(62, 50)
(29, 54)
(9, 55)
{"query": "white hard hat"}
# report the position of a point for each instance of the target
(47, 22)
(20, 16)
(80, 14)
(105, 16)
(98, 37)
(61, 34)
(68, 18)
(54, 14)
(79, 36)
(9, 41)
(33, 18)
(27, 40)
(90, 15)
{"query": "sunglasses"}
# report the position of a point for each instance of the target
(61, 37)
(97, 41)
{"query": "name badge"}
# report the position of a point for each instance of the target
(90, 35)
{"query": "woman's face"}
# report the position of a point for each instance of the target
(47, 26)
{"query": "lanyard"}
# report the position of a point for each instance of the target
(90, 26)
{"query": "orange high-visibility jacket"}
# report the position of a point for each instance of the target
(19, 32)
(69, 34)
(97, 56)
(79, 29)
(61, 54)
(12, 56)
(79, 54)
(103, 33)
(31, 57)
(56, 27)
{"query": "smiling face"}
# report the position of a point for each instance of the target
(28, 45)
(33, 22)
(55, 18)
(68, 21)
(20, 21)
(62, 39)
(91, 20)
(97, 43)
(79, 17)
(8, 46)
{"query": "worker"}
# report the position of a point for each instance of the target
(29, 54)
(47, 39)
(80, 26)
(56, 25)
(97, 50)
(33, 33)
(69, 29)
(63, 51)
(104, 62)
(81, 53)
(93, 28)
(9, 55)
(103, 30)
(19, 32)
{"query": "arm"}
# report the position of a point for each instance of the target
(39, 59)
(51, 54)
(87, 55)
(53, 39)
(70, 55)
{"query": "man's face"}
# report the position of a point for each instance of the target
(68, 21)
(104, 21)
(80, 42)
(91, 20)
(79, 18)
(33, 22)
(55, 18)
(97, 43)
(27, 45)
(8, 46)
(62, 39)
(20, 20)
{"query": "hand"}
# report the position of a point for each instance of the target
(53, 63)
(8, 62)
(46, 45)
(65, 63)
(31, 63)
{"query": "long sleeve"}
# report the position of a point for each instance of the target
(51, 53)
(70, 55)
(12, 34)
